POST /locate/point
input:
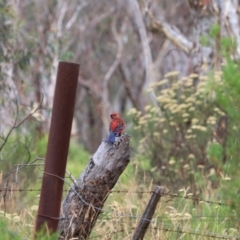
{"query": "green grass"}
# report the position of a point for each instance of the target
(174, 218)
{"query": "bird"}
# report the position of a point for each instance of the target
(116, 127)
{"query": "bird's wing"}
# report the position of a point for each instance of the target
(113, 125)
(120, 127)
(117, 125)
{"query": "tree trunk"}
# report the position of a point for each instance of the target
(87, 195)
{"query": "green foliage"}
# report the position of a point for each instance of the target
(127, 176)
(214, 31)
(11, 36)
(17, 151)
(204, 40)
(22, 149)
(228, 97)
(228, 46)
(67, 56)
(78, 158)
(44, 235)
(14, 60)
(178, 131)
(214, 152)
(191, 137)
(6, 233)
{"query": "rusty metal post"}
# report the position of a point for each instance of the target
(147, 215)
(58, 144)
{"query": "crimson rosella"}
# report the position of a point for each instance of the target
(116, 127)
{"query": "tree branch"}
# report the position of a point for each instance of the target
(17, 124)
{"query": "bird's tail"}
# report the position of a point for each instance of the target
(111, 137)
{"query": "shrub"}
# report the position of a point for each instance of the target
(181, 133)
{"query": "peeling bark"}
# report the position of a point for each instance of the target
(202, 57)
(86, 197)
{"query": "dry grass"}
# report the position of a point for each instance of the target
(175, 218)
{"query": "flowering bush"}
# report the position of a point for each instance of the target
(184, 131)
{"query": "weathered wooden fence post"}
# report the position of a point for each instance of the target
(87, 195)
(147, 215)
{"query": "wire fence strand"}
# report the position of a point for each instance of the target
(172, 195)
(166, 229)
(158, 223)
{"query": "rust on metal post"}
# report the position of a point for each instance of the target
(57, 148)
(147, 215)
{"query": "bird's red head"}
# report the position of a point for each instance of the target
(113, 115)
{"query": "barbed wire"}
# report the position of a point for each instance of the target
(107, 234)
(159, 225)
(162, 225)
(196, 233)
(169, 219)
(121, 215)
(199, 200)
(112, 233)
(188, 230)
(177, 230)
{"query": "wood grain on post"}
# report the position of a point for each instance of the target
(147, 215)
(86, 197)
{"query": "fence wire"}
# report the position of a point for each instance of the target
(167, 229)
(172, 195)
(160, 224)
